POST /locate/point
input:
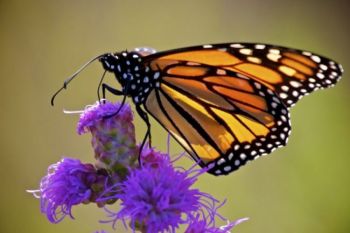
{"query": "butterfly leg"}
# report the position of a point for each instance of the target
(115, 92)
(144, 117)
(110, 89)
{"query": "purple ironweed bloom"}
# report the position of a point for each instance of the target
(113, 135)
(157, 197)
(68, 183)
(154, 196)
(153, 158)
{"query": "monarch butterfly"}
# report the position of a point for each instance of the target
(226, 104)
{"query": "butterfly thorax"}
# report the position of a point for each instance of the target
(136, 78)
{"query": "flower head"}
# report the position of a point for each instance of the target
(68, 183)
(153, 158)
(113, 135)
(160, 198)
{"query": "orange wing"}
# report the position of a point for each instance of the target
(289, 72)
(222, 118)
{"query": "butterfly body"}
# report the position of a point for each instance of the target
(226, 104)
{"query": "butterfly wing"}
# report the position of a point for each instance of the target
(289, 72)
(222, 118)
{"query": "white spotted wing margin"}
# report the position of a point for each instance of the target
(222, 126)
(301, 72)
(291, 73)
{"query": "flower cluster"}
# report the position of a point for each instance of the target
(154, 196)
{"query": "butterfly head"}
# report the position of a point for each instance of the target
(133, 75)
(109, 61)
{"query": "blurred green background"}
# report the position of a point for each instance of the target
(303, 187)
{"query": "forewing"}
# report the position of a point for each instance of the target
(291, 73)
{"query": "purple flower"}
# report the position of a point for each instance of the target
(154, 196)
(153, 158)
(160, 198)
(113, 135)
(68, 183)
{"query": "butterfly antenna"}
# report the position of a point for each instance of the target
(68, 80)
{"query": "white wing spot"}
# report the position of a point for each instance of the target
(320, 75)
(295, 93)
(207, 46)
(227, 168)
(323, 67)
(283, 95)
(260, 46)
(156, 75)
(273, 57)
(328, 81)
(285, 88)
(274, 51)
(221, 72)
(316, 58)
(257, 85)
(220, 161)
(243, 156)
(230, 156)
(237, 162)
(236, 46)
(276, 99)
(217, 172)
(295, 84)
(284, 118)
(246, 51)
(283, 136)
